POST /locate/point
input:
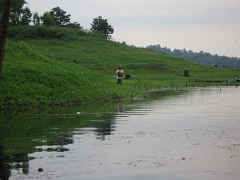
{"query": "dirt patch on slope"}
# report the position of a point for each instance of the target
(157, 67)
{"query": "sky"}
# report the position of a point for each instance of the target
(199, 25)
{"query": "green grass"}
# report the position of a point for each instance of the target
(105, 56)
(31, 79)
(61, 66)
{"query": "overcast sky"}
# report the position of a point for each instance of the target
(209, 25)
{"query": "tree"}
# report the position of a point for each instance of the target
(16, 8)
(47, 19)
(74, 25)
(14, 19)
(60, 16)
(26, 16)
(101, 25)
(16, 5)
(36, 19)
(3, 32)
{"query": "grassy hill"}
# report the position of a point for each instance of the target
(55, 65)
(146, 68)
(32, 79)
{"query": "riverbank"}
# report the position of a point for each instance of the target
(57, 66)
(31, 79)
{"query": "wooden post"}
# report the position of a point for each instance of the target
(186, 73)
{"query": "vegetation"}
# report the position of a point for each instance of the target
(101, 25)
(201, 57)
(16, 11)
(36, 19)
(52, 32)
(147, 68)
(60, 16)
(31, 79)
(22, 16)
(76, 66)
(47, 19)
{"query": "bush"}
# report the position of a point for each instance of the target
(53, 32)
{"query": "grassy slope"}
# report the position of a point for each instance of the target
(104, 56)
(49, 75)
(31, 79)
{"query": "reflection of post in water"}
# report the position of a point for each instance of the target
(4, 171)
(104, 128)
(120, 108)
(106, 125)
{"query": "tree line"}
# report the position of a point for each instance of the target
(21, 15)
(199, 57)
(14, 13)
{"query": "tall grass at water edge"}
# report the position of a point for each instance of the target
(32, 79)
(76, 66)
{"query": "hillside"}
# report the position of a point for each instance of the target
(32, 79)
(55, 65)
(146, 68)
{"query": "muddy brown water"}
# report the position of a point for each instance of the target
(190, 135)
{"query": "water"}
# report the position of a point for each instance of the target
(178, 136)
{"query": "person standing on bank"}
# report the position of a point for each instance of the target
(119, 75)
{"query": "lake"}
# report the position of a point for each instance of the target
(175, 135)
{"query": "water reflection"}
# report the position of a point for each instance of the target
(52, 129)
(23, 133)
(10, 162)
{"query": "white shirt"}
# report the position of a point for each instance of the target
(119, 71)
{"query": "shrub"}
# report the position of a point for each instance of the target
(52, 32)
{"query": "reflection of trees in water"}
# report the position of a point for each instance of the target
(120, 109)
(7, 163)
(105, 128)
(60, 140)
(65, 140)
(4, 170)
(108, 127)
(29, 132)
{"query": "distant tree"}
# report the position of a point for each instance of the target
(199, 57)
(101, 25)
(36, 18)
(60, 16)
(26, 16)
(73, 25)
(14, 19)
(47, 19)
(3, 32)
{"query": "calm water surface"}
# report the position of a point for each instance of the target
(180, 136)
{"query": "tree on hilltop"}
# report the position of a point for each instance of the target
(36, 19)
(73, 25)
(47, 19)
(26, 16)
(60, 16)
(101, 25)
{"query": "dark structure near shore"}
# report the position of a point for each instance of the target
(127, 76)
(186, 73)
